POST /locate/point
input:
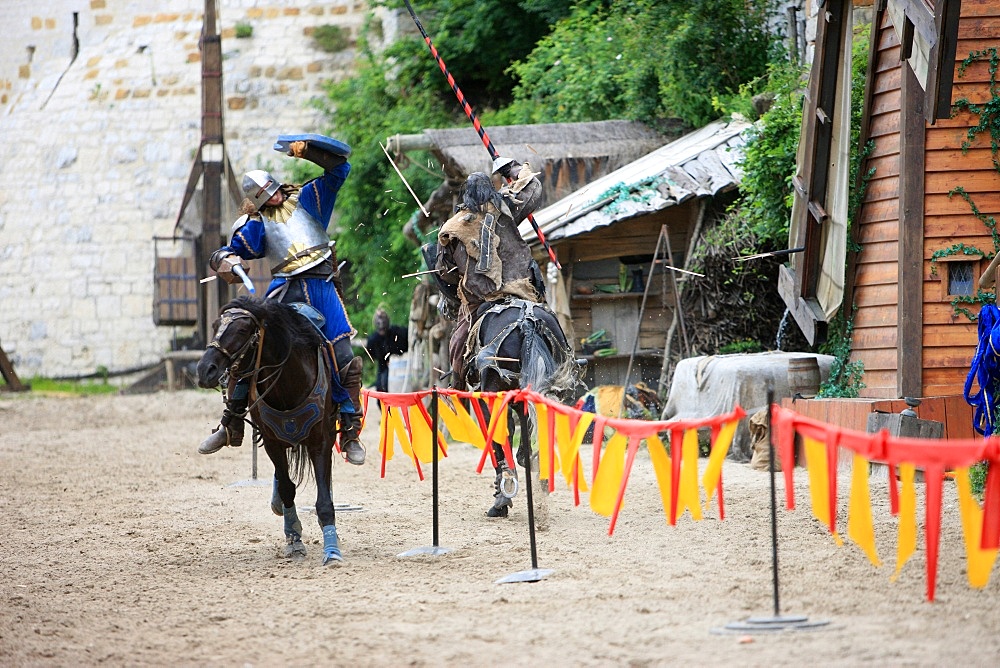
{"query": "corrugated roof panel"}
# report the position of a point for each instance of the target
(699, 164)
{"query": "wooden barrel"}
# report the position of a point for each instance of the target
(803, 376)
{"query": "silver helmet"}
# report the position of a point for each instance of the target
(258, 186)
(499, 163)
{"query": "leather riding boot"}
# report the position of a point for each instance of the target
(350, 423)
(230, 431)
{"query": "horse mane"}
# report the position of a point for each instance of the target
(284, 324)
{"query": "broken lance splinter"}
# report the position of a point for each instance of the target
(475, 121)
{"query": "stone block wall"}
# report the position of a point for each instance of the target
(100, 114)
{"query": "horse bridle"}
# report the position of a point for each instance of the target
(255, 342)
(227, 318)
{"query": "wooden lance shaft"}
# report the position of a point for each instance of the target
(475, 122)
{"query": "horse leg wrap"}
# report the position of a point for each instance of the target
(277, 507)
(293, 527)
(331, 545)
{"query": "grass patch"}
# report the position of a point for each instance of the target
(72, 387)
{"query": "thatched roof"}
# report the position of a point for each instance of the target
(569, 155)
(461, 150)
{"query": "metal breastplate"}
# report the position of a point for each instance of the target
(299, 233)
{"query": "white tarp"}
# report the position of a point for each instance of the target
(712, 385)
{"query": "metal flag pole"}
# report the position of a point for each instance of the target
(777, 622)
(435, 548)
(475, 121)
(534, 574)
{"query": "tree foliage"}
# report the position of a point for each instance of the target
(642, 60)
(524, 61)
(769, 157)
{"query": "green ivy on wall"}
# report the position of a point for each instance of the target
(989, 121)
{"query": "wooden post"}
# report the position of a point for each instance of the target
(7, 370)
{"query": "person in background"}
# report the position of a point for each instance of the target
(385, 340)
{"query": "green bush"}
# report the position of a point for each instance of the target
(769, 158)
(977, 479)
(244, 30)
(743, 346)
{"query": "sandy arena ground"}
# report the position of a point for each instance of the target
(122, 546)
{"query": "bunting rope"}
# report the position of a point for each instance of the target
(562, 430)
(561, 433)
(903, 456)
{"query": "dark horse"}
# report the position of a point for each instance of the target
(515, 344)
(282, 353)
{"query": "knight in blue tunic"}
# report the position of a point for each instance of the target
(287, 225)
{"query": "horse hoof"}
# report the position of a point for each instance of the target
(332, 558)
(497, 512)
(295, 550)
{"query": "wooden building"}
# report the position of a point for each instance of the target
(925, 229)
(614, 238)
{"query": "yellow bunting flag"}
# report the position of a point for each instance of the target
(420, 435)
(906, 544)
(395, 418)
(545, 464)
(687, 491)
(819, 483)
(661, 465)
(980, 561)
(563, 438)
(385, 438)
(586, 419)
(608, 481)
(859, 515)
(720, 448)
(569, 445)
(498, 417)
(462, 427)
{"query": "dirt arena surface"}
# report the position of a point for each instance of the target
(122, 546)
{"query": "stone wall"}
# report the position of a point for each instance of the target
(100, 114)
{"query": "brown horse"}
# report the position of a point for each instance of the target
(283, 354)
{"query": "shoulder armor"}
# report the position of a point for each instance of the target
(240, 222)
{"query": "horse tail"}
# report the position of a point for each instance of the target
(540, 368)
(298, 458)
(537, 363)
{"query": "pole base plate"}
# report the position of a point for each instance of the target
(772, 625)
(531, 575)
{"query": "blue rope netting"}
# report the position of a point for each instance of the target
(985, 371)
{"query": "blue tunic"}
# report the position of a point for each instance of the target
(317, 198)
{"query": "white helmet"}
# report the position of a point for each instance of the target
(258, 186)
(500, 162)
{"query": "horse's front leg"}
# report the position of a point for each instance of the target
(283, 501)
(322, 460)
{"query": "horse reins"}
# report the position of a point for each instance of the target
(255, 340)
